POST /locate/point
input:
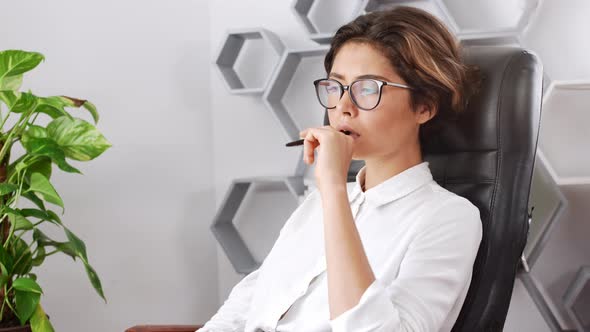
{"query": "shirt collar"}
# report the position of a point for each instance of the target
(393, 188)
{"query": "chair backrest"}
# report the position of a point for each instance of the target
(487, 156)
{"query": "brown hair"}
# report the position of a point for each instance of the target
(422, 51)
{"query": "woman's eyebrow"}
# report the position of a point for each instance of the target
(378, 77)
(336, 75)
(373, 76)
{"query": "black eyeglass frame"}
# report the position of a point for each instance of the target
(343, 88)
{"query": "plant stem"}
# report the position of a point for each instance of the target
(36, 115)
(6, 145)
(7, 301)
(4, 121)
(51, 253)
(32, 160)
(16, 196)
(4, 222)
(15, 129)
(2, 309)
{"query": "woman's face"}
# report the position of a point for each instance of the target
(389, 131)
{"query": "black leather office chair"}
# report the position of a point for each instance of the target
(487, 156)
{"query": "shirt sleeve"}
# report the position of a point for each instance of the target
(432, 278)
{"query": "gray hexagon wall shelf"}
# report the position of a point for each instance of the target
(290, 86)
(558, 34)
(577, 300)
(490, 19)
(247, 58)
(507, 39)
(226, 230)
(434, 7)
(321, 19)
(565, 118)
(549, 205)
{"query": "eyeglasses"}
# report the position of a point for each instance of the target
(364, 93)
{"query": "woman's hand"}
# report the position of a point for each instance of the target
(334, 154)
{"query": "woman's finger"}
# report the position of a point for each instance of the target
(310, 143)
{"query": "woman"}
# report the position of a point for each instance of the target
(393, 251)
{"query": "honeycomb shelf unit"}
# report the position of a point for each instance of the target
(289, 78)
(549, 205)
(321, 19)
(247, 58)
(434, 7)
(224, 226)
(565, 105)
(577, 299)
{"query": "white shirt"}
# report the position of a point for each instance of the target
(420, 239)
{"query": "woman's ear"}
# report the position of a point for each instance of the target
(425, 112)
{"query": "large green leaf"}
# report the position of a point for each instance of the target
(39, 164)
(79, 139)
(80, 249)
(45, 241)
(11, 83)
(33, 131)
(18, 221)
(25, 103)
(41, 185)
(7, 260)
(26, 303)
(27, 295)
(94, 280)
(48, 147)
(39, 321)
(4, 275)
(3, 271)
(7, 188)
(40, 256)
(31, 196)
(74, 248)
(26, 285)
(9, 97)
(17, 62)
(42, 165)
(42, 215)
(77, 244)
(53, 106)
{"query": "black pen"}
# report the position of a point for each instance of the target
(300, 141)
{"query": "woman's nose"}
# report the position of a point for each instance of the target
(345, 104)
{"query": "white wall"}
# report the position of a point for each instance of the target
(144, 207)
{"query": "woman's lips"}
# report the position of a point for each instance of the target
(353, 135)
(349, 130)
(350, 133)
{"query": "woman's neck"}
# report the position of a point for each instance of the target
(377, 171)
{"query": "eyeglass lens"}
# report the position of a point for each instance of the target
(364, 93)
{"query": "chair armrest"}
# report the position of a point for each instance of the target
(164, 328)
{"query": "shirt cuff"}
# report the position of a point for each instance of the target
(374, 312)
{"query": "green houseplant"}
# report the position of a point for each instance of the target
(27, 178)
